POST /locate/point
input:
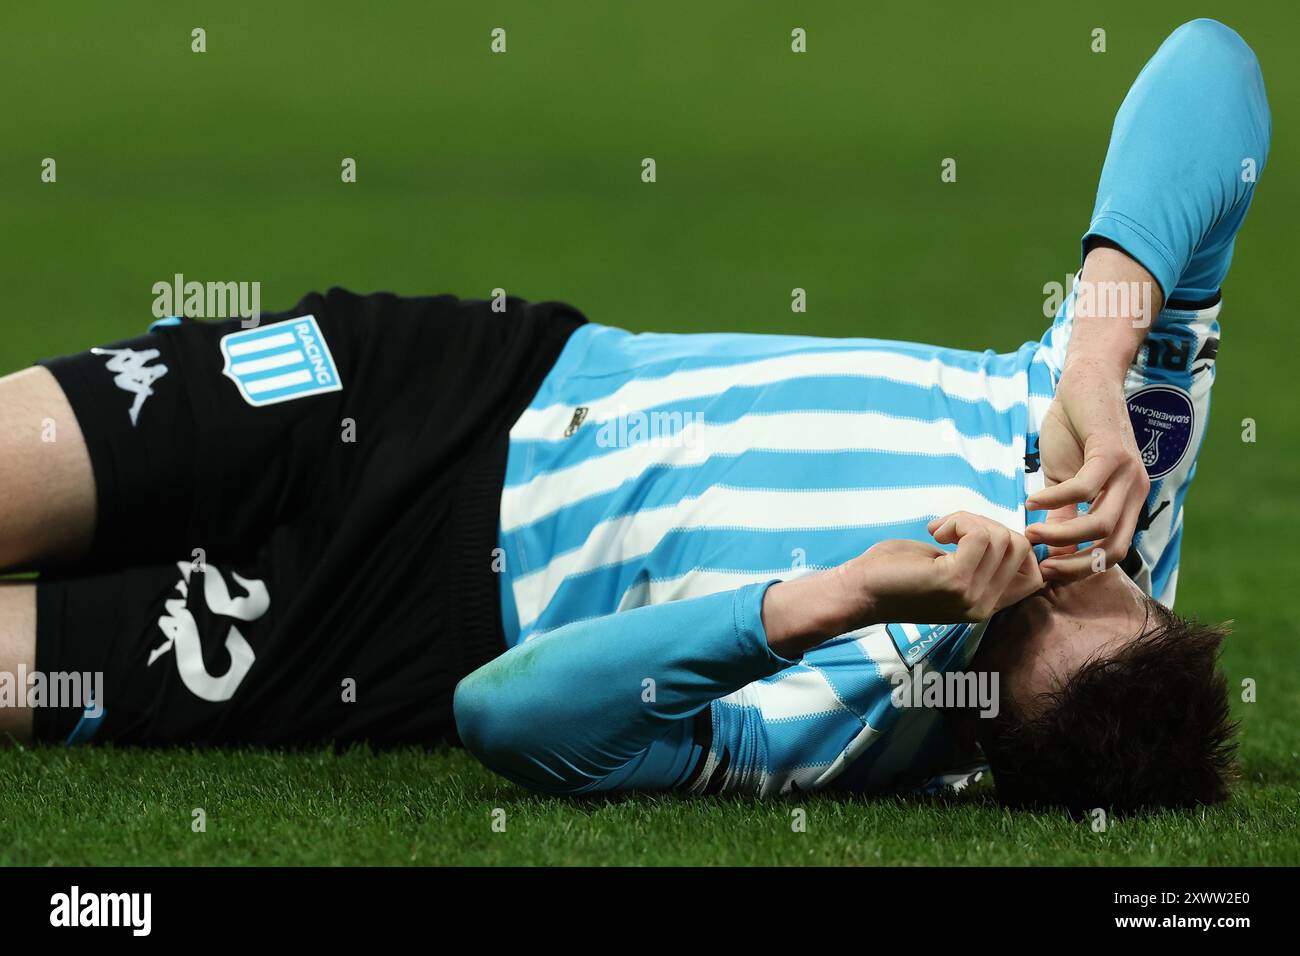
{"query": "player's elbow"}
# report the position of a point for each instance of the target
(1213, 46)
(497, 723)
(482, 718)
(1217, 69)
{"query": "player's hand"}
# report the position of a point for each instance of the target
(1088, 454)
(916, 582)
(905, 581)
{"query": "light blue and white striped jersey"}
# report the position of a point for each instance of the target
(652, 468)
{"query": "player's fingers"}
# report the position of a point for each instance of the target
(1026, 580)
(1093, 525)
(952, 527)
(1116, 544)
(1029, 567)
(991, 562)
(1084, 486)
(975, 571)
(1086, 527)
(980, 545)
(992, 566)
(1014, 559)
(944, 529)
(920, 549)
(1072, 568)
(1055, 516)
(971, 534)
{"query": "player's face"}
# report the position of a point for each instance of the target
(1035, 644)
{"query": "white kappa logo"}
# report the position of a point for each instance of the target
(134, 374)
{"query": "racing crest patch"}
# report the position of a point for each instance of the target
(280, 362)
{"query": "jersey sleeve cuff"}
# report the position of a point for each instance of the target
(1140, 244)
(751, 636)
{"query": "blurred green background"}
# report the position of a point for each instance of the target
(775, 170)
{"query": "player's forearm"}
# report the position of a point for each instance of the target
(801, 613)
(570, 711)
(905, 580)
(1115, 305)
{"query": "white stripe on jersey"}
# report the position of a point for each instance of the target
(1171, 587)
(807, 693)
(792, 432)
(701, 582)
(1001, 392)
(804, 693)
(634, 535)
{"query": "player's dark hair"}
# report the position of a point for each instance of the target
(1145, 728)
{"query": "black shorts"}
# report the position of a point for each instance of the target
(296, 523)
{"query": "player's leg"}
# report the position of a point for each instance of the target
(17, 651)
(191, 441)
(339, 597)
(47, 491)
(145, 480)
(122, 469)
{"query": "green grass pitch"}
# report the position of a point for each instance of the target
(522, 171)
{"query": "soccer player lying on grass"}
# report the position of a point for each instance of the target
(317, 528)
